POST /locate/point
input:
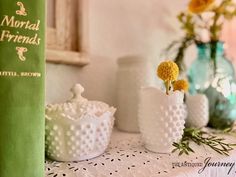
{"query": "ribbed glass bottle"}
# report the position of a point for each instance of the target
(218, 86)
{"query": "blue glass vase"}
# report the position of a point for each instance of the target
(217, 82)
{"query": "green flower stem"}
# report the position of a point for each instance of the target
(213, 55)
(167, 85)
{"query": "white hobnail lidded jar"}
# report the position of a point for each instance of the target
(79, 129)
(134, 72)
(161, 119)
(198, 111)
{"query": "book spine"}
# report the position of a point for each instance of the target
(22, 72)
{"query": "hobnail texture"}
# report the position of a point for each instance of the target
(198, 111)
(78, 130)
(161, 119)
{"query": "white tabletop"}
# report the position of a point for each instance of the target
(127, 157)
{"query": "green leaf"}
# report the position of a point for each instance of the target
(174, 150)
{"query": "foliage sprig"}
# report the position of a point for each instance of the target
(202, 138)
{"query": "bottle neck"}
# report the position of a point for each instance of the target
(205, 50)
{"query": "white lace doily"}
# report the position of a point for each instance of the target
(127, 157)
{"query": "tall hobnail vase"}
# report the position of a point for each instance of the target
(217, 83)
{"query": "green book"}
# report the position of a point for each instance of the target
(22, 72)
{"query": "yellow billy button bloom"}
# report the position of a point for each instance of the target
(168, 71)
(181, 85)
(199, 6)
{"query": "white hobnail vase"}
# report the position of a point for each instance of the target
(78, 129)
(198, 111)
(133, 73)
(161, 119)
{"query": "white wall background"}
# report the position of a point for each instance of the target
(116, 28)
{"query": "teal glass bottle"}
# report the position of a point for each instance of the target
(218, 86)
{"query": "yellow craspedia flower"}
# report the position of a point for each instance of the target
(181, 85)
(199, 6)
(168, 71)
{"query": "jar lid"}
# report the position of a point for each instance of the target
(78, 107)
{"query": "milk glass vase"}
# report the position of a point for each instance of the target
(134, 73)
(219, 85)
(161, 119)
(198, 111)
